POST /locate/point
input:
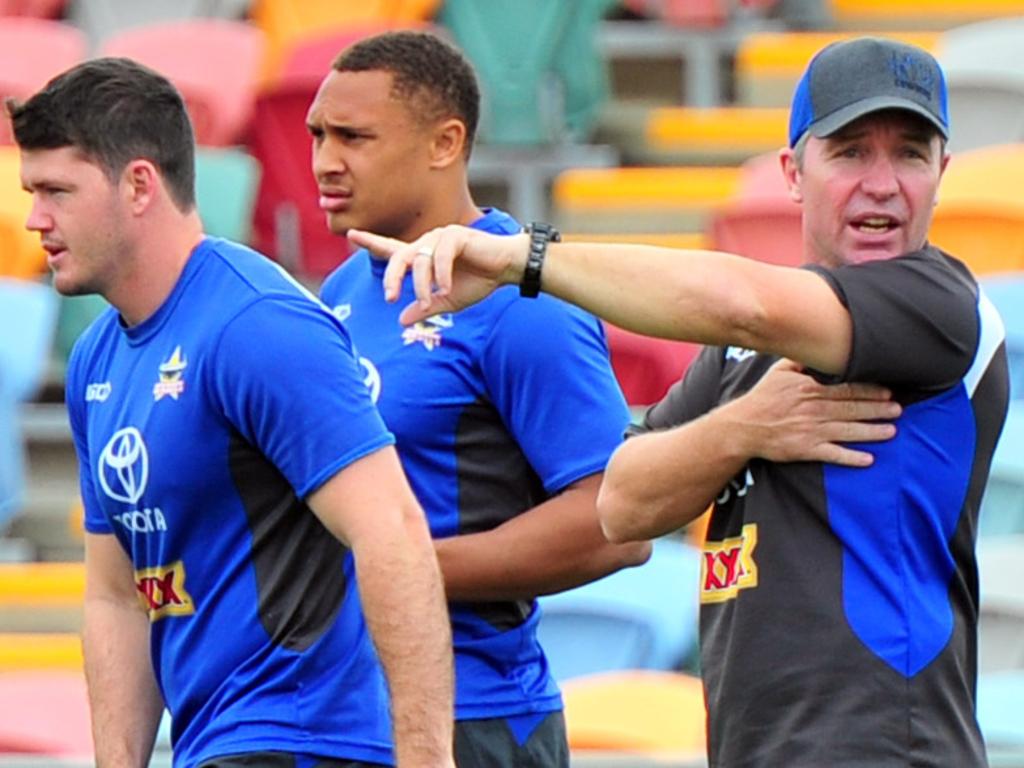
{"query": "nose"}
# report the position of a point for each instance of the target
(39, 220)
(880, 178)
(326, 159)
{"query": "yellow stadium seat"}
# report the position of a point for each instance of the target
(980, 215)
(918, 14)
(22, 255)
(648, 200)
(286, 22)
(643, 711)
(716, 134)
(41, 584)
(769, 64)
(686, 240)
(40, 650)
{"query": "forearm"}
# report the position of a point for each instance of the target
(403, 601)
(661, 481)
(124, 699)
(552, 547)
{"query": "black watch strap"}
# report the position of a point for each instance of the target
(540, 235)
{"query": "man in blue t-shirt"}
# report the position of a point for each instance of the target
(504, 416)
(237, 480)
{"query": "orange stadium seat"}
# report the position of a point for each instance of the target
(656, 713)
(286, 22)
(215, 63)
(33, 50)
(769, 64)
(716, 134)
(22, 255)
(980, 215)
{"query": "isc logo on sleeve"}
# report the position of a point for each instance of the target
(728, 566)
(162, 591)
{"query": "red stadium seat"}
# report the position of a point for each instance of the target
(644, 366)
(45, 713)
(33, 50)
(38, 9)
(215, 63)
(760, 221)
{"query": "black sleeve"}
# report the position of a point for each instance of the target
(915, 319)
(690, 397)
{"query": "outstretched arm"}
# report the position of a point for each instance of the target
(702, 296)
(370, 506)
(660, 481)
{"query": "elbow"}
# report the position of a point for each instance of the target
(633, 553)
(615, 519)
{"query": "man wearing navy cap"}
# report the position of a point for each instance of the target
(839, 603)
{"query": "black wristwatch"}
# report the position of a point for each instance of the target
(540, 235)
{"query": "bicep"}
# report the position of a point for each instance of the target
(109, 574)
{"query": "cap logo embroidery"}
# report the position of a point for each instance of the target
(913, 73)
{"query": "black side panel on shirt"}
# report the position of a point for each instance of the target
(298, 562)
(496, 483)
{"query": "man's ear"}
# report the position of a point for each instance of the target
(447, 143)
(791, 173)
(139, 181)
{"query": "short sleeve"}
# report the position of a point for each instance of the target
(915, 320)
(74, 395)
(547, 370)
(286, 378)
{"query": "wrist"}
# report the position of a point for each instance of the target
(540, 235)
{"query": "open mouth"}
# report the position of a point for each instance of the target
(875, 225)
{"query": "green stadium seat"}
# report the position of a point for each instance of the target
(226, 184)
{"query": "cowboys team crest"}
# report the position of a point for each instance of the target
(428, 332)
(171, 383)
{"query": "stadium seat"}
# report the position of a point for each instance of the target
(28, 313)
(541, 76)
(1007, 292)
(980, 215)
(1000, 704)
(719, 135)
(917, 14)
(102, 19)
(286, 23)
(984, 65)
(1001, 618)
(215, 63)
(33, 50)
(1002, 508)
(22, 651)
(769, 64)
(226, 183)
(646, 367)
(36, 9)
(636, 618)
(683, 13)
(74, 315)
(22, 255)
(760, 221)
(647, 200)
(658, 714)
(45, 712)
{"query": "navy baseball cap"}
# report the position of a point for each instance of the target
(849, 79)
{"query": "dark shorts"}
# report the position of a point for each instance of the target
(495, 743)
(282, 760)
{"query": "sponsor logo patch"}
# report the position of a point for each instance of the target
(728, 566)
(428, 332)
(124, 466)
(162, 591)
(97, 393)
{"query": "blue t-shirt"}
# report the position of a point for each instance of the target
(199, 433)
(494, 409)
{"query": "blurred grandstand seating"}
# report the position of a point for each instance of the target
(215, 63)
(636, 618)
(984, 65)
(1000, 704)
(45, 712)
(101, 19)
(645, 366)
(769, 64)
(980, 215)
(1006, 291)
(22, 255)
(1002, 509)
(652, 199)
(1001, 619)
(716, 135)
(287, 23)
(226, 184)
(32, 50)
(39, 9)
(659, 714)
(917, 14)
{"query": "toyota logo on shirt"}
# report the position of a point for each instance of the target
(124, 466)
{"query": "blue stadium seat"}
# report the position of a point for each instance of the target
(637, 618)
(226, 183)
(1002, 509)
(1000, 704)
(1006, 291)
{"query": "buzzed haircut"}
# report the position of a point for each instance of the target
(427, 71)
(113, 111)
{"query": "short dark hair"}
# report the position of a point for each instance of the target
(113, 110)
(426, 69)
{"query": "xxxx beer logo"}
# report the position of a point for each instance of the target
(728, 566)
(162, 591)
